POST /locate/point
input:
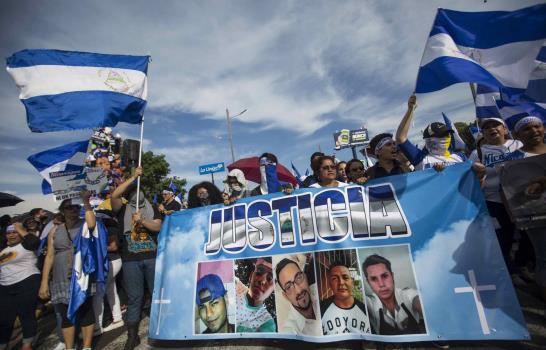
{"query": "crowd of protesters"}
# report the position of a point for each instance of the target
(29, 269)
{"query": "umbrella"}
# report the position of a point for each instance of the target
(251, 168)
(8, 200)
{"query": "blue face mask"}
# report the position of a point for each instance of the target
(269, 182)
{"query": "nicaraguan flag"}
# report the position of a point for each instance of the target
(485, 102)
(63, 158)
(297, 174)
(512, 113)
(456, 144)
(90, 265)
(536, 89)
(64, 90)
(497, 49)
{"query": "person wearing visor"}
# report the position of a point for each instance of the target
(59, 263)
(384, 147)
(252, 315)
(139, 226)
(327, 173)
(530, 131)
(169, 205)
(494, 150)
(212, 305)
(235, 187)
(19, 284)
(437, 138)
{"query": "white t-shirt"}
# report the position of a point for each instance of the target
(336, 320)
(296, 323)
(16, 264)
(492, 155)
(400, 317)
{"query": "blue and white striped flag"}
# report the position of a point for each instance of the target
(456, 144)
(63, 158)
(512, 113)
(485, 102)
(297, 174)
(536, 89)
(90, 265)
(497, 49)
(64, 90)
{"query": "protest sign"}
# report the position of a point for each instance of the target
(524, 185)
(69, 184)
(326, 264)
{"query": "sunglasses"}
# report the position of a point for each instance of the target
(328, 167)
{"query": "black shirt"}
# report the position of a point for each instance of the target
(377, 171)
(137, 246)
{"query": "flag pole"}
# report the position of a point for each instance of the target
(139, 162)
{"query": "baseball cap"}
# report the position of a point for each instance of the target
(436, 129)
(213, 284)
(485, 120)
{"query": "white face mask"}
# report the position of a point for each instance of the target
(236, 188)
(438, 145)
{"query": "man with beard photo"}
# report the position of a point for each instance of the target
(303, 316)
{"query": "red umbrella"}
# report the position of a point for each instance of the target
(251, 168)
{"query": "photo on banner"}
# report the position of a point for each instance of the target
(254, 288)
(339, 284)
(391, 291)
(214, 298)
(297, 301)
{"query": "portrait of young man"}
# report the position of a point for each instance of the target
(293, 283)
(392, 310)
(254, 287)
(342, 312)
(212, 304)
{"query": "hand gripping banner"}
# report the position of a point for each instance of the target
(407, 258)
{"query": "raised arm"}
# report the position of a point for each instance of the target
(90, 218)
(403, 128)
(116, 195)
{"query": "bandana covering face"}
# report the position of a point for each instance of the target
(268, 171)
(438, 146)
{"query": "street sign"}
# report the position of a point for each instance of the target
(211, 168)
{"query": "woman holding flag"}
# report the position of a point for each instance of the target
(59, 262)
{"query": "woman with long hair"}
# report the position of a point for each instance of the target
(203, 194)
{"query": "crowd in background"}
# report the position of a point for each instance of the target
(36, 257)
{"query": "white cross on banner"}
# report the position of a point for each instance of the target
(475, 290)
(160, 301)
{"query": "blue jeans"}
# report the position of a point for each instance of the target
(135, 273)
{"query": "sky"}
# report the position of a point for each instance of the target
(302, 69)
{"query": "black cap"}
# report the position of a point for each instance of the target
(436, 129)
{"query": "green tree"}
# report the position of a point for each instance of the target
(464, 131)
(155, 176)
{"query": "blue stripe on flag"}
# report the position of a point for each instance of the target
(487, 112)
(445, 71)
(28, 58)
(490, 29)
(50, 157)
(82, 110)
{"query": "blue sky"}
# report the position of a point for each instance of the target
(303, 69)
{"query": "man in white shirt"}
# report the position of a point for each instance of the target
(392, 311)
(303, 315)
